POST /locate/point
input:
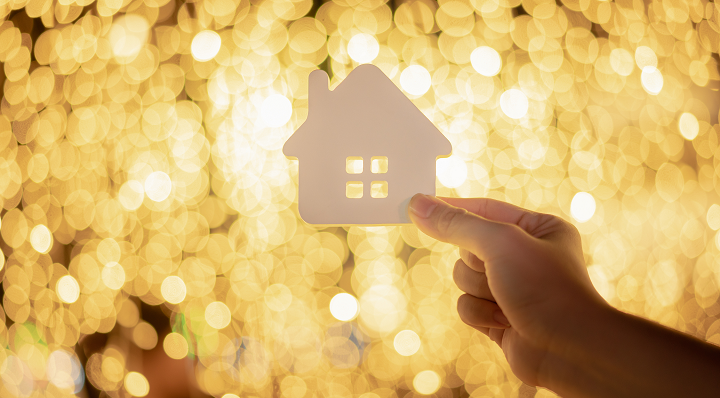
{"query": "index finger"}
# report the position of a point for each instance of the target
(491, 209)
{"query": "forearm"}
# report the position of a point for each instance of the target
(614, 354)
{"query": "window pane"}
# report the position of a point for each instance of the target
(379, 189)
(379, 164)
(354, 165)
(354, 189)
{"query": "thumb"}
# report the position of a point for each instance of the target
(457, 226)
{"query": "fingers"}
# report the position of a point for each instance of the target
(459, 227)
(471, 282)
(478, 312)
(536, 224)
(472, 260)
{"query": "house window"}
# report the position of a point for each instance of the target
(379, 189)
(354, 189)
(379, 164)
(354, 165)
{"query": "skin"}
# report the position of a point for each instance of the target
(528, 290)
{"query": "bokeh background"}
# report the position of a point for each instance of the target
(150, 242)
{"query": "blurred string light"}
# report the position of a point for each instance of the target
(141, 164)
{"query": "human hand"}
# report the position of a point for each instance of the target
(524, 274)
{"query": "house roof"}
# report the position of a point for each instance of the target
(366, 113)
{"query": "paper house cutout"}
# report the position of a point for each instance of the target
(364, 151)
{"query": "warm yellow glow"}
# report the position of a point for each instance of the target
(158, 186)
(486, 61)
(689, 126)
(41, 239)
(217, 315)
(652, 80)
(136, 384)
(344, 307)
(145, 336)
(173, 289)
(514, 103)
(131, 195)
(415, 80)
(128, 34)
(363, 48)
(276, 110)
(426, 382)
(713, 217)
(451, 171)
(230, 396)
(582, 206)
(175, 346)
(68, 289)
(113, 275)
(645, 56)
(205, 45)
(406, 342)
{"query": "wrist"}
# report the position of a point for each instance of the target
(570, 355)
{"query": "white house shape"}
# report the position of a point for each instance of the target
(363, 152)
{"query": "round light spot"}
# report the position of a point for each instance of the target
(451, 171)
(230, 396)
(689, 126)
(645, 56)
(128, 34)
(131, 195)
(173, 289)
(68, 289)
(205, 45)
(486, 61)
(113, 275)
(217, 315)
(175, 346)
(426, 382)
(406, 342)
(582, 207)
(136, 384)
(669, 182)
(145, 336)
(363, 48)
(276, 110)
(41, 239)
(652, 80)
(713, 217)
(158, 186)
(514, 103)
(415, 80)
(344, 307)
(278, 297)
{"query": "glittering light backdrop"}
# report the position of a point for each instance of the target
(149, 233)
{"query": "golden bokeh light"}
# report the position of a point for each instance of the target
(144, 195)
(217, 315)
(406, 342)
(173, 289)
(41, 239)
(689, 126)
(582, 207)
(486, 61)
(136, 384)
(68, 289)
(276, 110)
(344, 307)
(363, 48)
(205, 45)
(175, 345)
(415, 80)
(514, 103)
(426, 382)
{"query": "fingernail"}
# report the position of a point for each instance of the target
(422, 206)
(500, 318)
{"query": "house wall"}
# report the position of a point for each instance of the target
(322, 194)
